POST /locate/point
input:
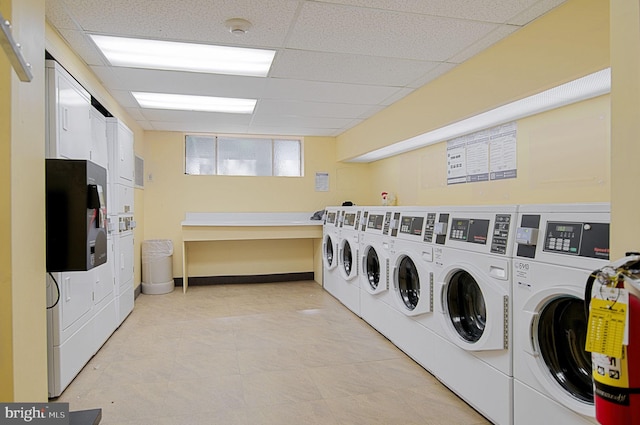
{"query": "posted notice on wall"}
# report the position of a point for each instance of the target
(483, 156)
(322, 182)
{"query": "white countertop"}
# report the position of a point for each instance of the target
(251, 219)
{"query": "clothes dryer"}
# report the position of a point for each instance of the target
(330, 238)
(348, 291)
(474, 306)
(557, 248)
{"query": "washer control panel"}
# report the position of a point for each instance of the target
(411, 225)
(575, 238)
(469, 230)
(500, 234)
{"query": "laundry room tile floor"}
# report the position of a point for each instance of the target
(257, 354)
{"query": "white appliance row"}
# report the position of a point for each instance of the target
(87, 306)
(489, 299)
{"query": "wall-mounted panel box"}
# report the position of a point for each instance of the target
(76, 215)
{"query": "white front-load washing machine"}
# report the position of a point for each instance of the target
(558, 246)
(473, 304)
(330, 238)
(412, 285)
(374, 271)
(348, 290)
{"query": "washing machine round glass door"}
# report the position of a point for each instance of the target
(561, 333)
(466, 306)
(329, 257)
(408, 282)
(347, 255)
(372, 268)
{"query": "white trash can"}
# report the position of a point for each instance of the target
(157, 266)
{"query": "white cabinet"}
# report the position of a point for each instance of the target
(93, 303)
(121, 152)
(68, 115)
(98, 150)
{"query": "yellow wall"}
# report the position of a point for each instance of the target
(170, 194)
(23, 337)
(562, 156)
(569, 42)
(625, 113)
(57, 47)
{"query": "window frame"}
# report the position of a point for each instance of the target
(214, 138)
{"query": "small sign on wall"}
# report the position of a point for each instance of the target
(483, 156)
(322, 182)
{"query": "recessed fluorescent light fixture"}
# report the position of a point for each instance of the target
(584, 88)
(190, 57)
(195, 103)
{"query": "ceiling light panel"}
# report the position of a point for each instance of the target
(194, 103)
(176, 56)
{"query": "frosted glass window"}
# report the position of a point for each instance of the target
(244, 157)
(200, 157)
(286, 158)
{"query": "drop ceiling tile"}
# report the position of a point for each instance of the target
(293, 131)
(194, 20)
(199, 127)
(538, 9)
(297, 90)
(399, 94)
(136, 114)
(83, 46)
(124, 98)
(347, 68)
(357, 31)
(311, 109)
(298, 121)
(485, 42)
(213, 118)
(58, 16)
(194, 83)
(439, 70)
(497, 11)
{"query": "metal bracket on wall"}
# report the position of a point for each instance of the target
(13, 51)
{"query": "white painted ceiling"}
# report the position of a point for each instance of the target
(337, 63)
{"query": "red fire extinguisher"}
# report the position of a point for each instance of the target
(616, 378)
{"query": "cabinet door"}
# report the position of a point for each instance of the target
(121, 153)
(72, 103)
(104, 283)
(76, 296)
(99, 153)
(126, 259)
(127, 158)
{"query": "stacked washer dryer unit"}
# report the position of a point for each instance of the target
(330, 238)
(375, 297)
(557, 248)
(473, 292)
(348, 291)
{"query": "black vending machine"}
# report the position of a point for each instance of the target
(76, 215)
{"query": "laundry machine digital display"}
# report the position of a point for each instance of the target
(375, 221)
(331, 217)
(350, 219)
(573, 238)
(469, 230)
(411, 225)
